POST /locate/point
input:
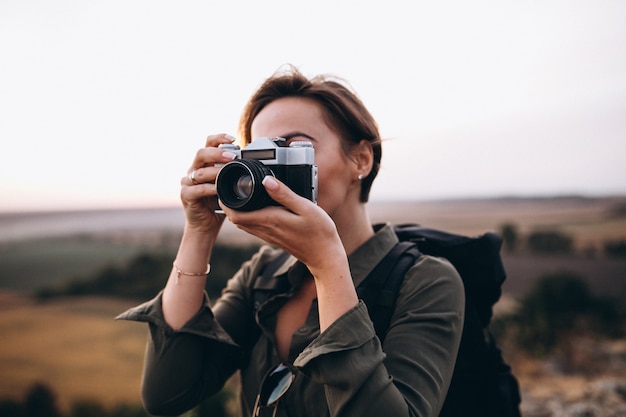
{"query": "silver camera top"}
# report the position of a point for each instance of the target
(275, 151)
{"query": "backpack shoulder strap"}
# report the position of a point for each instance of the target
(380, 288)
(477, 259)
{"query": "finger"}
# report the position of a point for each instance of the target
(219, 139)
(200, 176)
(206, 157)
(266, 223)
(283, 195)
(197, 192)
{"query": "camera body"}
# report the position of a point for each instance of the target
(239, 182)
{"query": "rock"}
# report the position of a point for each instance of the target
(604, 397)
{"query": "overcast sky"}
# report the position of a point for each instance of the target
(104, 103)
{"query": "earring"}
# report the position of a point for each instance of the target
(360, 177)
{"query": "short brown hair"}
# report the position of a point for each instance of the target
(341, 107)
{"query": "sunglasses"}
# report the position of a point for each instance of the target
(275, 384)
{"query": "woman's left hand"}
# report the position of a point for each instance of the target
(298, 226)
(307, 232)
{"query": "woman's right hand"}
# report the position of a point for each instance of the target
(198, 191)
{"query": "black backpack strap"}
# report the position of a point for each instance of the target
(380, 288)
(266, 285)
(477, 259)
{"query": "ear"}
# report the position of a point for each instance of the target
(362, 155)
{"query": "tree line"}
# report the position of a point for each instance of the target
(40, 400)
(146, 274)
(553, 241)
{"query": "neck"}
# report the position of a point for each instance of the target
(354, 227)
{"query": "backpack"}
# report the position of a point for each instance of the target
(482, 383)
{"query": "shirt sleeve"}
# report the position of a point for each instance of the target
(410, 373)
(177, 375)
(182, 367)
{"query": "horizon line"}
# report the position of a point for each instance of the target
(388, 200)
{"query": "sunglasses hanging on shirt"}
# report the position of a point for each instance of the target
(275, 384)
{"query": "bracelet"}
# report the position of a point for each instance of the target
(180, 272)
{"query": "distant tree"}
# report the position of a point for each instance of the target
(560, 304)
(510, 236)
(88, 408)
(11, 408)
(615, 248)
(40, 401)
(128, 410)
(550, 241)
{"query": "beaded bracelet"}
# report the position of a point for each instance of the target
(180, 272)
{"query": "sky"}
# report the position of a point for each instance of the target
(103, 104)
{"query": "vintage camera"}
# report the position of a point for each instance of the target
(239, 182)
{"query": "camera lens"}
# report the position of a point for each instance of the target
(239, 185)
(243, 187)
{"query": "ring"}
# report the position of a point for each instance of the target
(192, 177)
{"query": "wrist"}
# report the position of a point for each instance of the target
(180, 272)
(336, 266)
(202, 229)
(193, 254)
(331, 260)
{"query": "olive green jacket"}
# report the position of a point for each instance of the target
(343, 372)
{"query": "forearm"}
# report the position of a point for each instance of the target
(183, 293)
(336, 294)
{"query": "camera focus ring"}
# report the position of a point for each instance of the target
(239, 185)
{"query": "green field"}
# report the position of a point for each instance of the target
(30, 265)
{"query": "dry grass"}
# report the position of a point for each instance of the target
(74, 346)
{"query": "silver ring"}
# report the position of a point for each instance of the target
(192, 177)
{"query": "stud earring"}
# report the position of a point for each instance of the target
(360, 177)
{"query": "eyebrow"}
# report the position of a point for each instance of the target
(292, 135)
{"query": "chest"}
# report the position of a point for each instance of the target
(292, 316)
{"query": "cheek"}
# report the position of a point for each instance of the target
(333, 176)
(329, 164)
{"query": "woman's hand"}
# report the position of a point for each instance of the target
(298, 226)
(307, 232)
(198, 193)
(183, 295)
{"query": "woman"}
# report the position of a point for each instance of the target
(317, 327)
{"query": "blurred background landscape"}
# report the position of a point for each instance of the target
(64, 276)
(104, 104)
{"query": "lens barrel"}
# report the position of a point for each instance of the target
(239, 185)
